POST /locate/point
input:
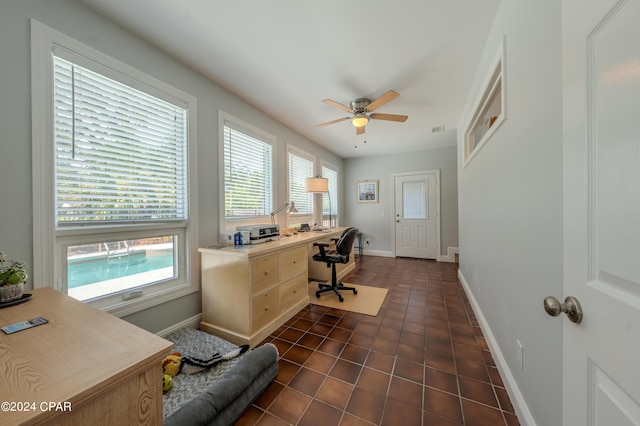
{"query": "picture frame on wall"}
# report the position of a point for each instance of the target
(367, 191)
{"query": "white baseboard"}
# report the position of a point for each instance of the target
(451, 255)
(193, 322)
(380, 253)
(519, 404)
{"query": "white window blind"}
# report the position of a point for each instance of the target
(299, 169)
(120, 154)
(247, 174)
(330, 205)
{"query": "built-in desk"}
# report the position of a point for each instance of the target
(85, 367)
(250, 291)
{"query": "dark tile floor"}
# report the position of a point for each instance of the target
(422, 361)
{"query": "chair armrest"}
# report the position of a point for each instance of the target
(321, 246)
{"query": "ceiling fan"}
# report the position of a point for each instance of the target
(361, 108)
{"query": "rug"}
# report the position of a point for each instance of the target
(368, 300)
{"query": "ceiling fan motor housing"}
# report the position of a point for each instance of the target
(360, 104)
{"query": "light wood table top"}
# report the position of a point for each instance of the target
(284, 242)
(79, 354)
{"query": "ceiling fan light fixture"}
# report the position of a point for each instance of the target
(360, 120)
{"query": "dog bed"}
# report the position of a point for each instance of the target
(220, 394)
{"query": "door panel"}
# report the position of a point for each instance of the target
(416, 216)
(601, 105)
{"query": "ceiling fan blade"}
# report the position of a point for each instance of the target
(360, 130)
(333, 121)
(387, 97)
(389, 117)
(337, 105)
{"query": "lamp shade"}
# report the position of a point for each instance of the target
(316, 184)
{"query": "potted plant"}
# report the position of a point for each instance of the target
(13, 275)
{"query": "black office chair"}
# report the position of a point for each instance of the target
(344, 245)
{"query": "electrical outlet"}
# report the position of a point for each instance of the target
(520, 355)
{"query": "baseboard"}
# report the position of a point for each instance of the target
(380, 253)
(451, 255)
(519, 404)
(193, 322)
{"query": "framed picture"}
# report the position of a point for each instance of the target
(367, 191)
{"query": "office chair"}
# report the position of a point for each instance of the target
(344, 245)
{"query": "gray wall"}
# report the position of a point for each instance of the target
(375, 220)
(510, 199)
(66, 16)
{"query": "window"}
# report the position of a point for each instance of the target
(122, 232)
(489, 110)
(300, 168)
(330, 201)
(248, 172)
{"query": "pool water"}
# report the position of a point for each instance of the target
(91, 270)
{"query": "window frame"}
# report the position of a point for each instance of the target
(296, 218)
(229, 224)
(50, 242)
(336, 195)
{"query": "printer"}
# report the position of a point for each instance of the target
(260, 233)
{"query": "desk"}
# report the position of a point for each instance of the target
(107, 369)
(250, 291)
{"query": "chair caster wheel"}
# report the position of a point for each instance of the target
(317, 295)
(355, 291)
(341, 299)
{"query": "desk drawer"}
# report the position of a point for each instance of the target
(293, 262)
(265, 308)
(264, 272)
(292, 291)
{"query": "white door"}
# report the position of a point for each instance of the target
(601, 111)
(416, 215)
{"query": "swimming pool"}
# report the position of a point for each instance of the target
(95, 269)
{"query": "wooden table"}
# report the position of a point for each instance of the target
(85, 367)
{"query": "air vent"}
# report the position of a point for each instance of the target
(438, 129)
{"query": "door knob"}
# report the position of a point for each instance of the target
(571, 307)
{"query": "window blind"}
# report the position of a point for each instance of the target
(120, 154)
(299, 169)
(247, 174)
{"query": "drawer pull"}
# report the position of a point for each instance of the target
(266, 272)
(266, 308)
(295, 261)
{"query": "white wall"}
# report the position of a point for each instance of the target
(89, 28)
(510, 202)
(375, 220)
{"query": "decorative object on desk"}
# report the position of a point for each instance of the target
(13, 275)
(368, 301)
(319, 185)
(291, 209)
(24, 298)
(367, 191)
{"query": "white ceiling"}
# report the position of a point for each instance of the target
(286, 56)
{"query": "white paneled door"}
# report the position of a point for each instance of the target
(416, 215)
(601, 95)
